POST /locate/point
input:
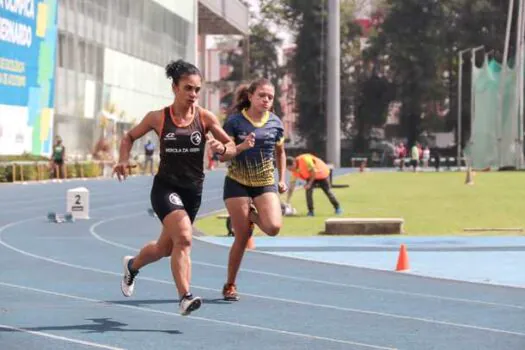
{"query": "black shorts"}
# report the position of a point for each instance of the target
(166, 198)
(233, 189)
(58, 162)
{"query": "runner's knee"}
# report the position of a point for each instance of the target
(273, 229)
(183, 241)
(164, 249)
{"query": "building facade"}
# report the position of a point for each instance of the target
(110, 64)
(98, 65)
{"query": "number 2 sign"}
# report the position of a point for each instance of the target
(78, 202)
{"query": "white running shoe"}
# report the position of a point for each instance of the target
(127, 285)
(188, 304)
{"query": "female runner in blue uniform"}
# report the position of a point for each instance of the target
(177, 187)
(258, 135)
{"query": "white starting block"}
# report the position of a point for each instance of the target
(78, 202)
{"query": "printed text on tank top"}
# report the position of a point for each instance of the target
(182, 150)
(183, 146)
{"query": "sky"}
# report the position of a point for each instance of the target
(254, 6)
(365, 8)
(287, 38)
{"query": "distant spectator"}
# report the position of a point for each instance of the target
(401, 153)
(426, 156)
(414, 156)
(437, 157)
(149, 149)
(57, 159)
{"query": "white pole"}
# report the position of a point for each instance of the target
(521, 72)
(460, 106)
(333, 107)
(503, 75)
(472, 92)
(516, 116)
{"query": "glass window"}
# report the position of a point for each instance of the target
(61, 49)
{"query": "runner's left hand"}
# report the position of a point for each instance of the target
(282, 187)
(215, 145)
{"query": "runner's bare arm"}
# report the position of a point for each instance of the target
(148, 123)
(224, 146)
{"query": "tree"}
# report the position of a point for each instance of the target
(412, 59)
(476, 23)
(412, 38)
(263, 60)
(419, 42)
(308, 20)
(308, 70)
(374, 94)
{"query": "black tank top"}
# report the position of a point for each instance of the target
(182, 152)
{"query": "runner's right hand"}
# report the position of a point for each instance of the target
(121, 169)
(249, 141)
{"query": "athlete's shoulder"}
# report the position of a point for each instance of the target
(206, 116)
(274, 118)
(155, 114)
(234, 118)
(159, 111)
(202, 111)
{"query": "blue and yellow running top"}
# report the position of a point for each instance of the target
(254, 167)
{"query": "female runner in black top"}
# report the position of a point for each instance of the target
(177, 186)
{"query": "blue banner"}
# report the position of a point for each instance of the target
(28, 38)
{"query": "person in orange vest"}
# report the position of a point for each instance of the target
(314, 171)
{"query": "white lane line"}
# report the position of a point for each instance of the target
(290, 301)
(114, 218)
(92, 230)
(98, 199)
(98, 193)
(235, 324)
(57, 337)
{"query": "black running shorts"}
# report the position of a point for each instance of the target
(166, 198)
(233, 189)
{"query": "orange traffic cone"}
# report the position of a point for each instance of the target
(402, 260)
(250, 245)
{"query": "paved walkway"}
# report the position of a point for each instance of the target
(495, 260)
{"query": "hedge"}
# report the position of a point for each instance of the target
(36, 168)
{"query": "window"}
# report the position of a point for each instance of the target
(61, 50)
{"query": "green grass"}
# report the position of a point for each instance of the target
(430, 203)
